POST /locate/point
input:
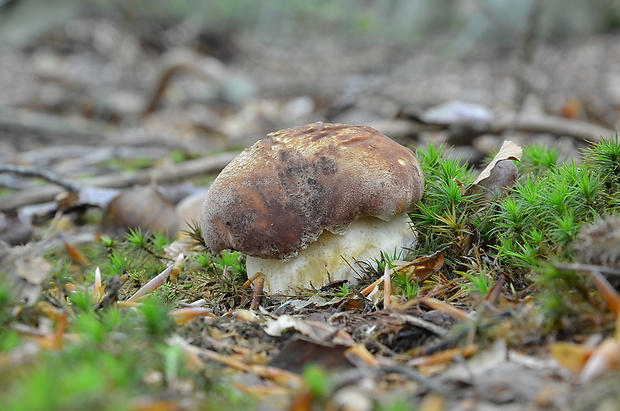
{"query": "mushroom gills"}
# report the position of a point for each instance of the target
(331, 256)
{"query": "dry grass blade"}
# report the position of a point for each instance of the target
(369, 289)
(445, 308)
(185, 315)
(387, 287)
(154, 284)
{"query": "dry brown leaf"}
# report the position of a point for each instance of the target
(571, 356)
(421, 268)
(508, 151)
(500, 174)
(300, 351)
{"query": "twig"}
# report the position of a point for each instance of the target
(549, 124)
(180, 171)
(418, 322)
(587, 267)
(44, 174)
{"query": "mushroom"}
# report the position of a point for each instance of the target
(307, 202)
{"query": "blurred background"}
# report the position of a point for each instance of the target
(184, 78)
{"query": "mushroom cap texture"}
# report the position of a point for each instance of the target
(280, 194)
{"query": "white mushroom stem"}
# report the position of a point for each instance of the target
(331, 257)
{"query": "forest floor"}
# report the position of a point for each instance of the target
(101, 104)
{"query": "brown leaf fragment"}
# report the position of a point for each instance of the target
(502, 177)
(421, 268)
(493, 295)
(152, 285)
(301, 351)
(571, 356)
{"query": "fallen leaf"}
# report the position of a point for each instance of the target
(571, 356)
(500, 174)
(508, 151)
(301, 351)
(421, 268)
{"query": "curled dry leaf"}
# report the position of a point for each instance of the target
(500, 174)
(140, 207)
(421, 268)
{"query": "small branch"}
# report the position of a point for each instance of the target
(44, 174)
(201, 166)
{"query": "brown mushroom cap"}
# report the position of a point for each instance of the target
(280, 194)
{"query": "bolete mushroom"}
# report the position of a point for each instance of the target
(307, 202)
